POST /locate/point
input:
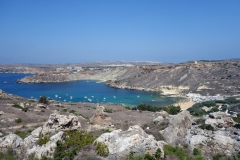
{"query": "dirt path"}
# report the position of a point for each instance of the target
(21, 126)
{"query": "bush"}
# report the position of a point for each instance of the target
(175, 151)
(74, 141)
(127, 107)
(9, 155)
(18, 120)
(107, 110)
(72, 111)
(43, 139)
(217, 156)
(185, 145)
(196, 152)
(237, 126)
(43, 99)
(102, 149)
(172, 109)
(22, 134)
(207, 127)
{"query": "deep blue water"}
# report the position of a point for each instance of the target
(82, 91)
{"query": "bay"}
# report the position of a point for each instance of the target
(82, 91)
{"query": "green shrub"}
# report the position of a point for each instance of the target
(102, 149)
(185, 145)
(158, 154)
(148, 156)
(175, 151)
(196, 152)
(43, 139)
(207, 127)
(236, 119)
(22, 134)
(172, 109)
(132, 157)
(43, 99)
(217, 156)
(74, 141)
(72, 111)
(237, 126)
(107, 110)
(9, 155)
(127, 107)
(18, 120)
(64, 110)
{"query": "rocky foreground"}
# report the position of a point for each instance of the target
(218, 136)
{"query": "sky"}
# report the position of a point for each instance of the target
(77, 31)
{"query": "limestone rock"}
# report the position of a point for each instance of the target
(220, 120)
(61, 122)
(120, 143)
(1, 113)
(11, 141)
(47, 149)
(178, 126)
(100, 117)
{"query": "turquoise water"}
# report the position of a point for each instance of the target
(82, 91)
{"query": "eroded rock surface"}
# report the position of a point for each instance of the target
(100, 117)
(177, 129)
(120, 143)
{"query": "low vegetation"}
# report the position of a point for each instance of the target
(197, 110)
(169, 109)
(108, 110)
(74, 141)
(18, 120)
(23, 134)
(43, 139)
(147, 156)
(20, 107)
(102, 149)
(43, 99)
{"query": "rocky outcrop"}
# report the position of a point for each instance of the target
(11, 141)
(220, 120)
(55, 123)
(212, 142)
(47, 149)
(120, 143)
(61, 122)
(177, 129)
(53, 128)
(100, 117)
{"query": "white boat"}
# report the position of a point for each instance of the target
(5, 82)
(114, 96)
(138, 96)
(85, 97)
(70, 97)
(89, 100)
(56, 95)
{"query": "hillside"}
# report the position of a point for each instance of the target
(204, 77)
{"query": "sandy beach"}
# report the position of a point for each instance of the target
(185, 104)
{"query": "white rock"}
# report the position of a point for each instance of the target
(120, 143)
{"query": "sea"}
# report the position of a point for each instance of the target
(82, 91)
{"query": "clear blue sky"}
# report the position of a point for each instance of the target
(57, 31)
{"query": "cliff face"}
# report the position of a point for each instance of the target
(208, 78)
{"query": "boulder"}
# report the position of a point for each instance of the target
(120, 143)
(55, 123)
(177, 129)
(11, 141)
(61, 122)
(220, 120)
(48, 149)
(1, 113)
(100, 117)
